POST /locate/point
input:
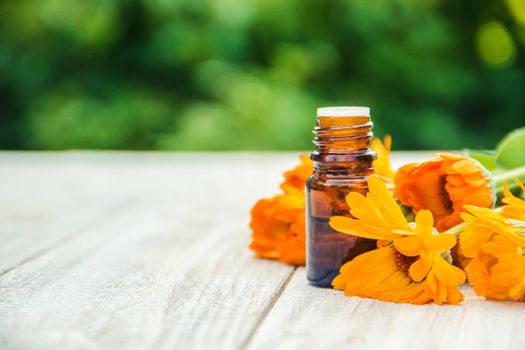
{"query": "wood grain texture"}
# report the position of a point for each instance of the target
(149, 251)
(43, 202)
(47, 197)
(307, 317)
(169, 268)
(140, 280)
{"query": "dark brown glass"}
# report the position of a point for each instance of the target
(342, 163)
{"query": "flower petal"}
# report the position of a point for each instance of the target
(424, 222)
(383, 199)
(446, 273)
(440, 243)
(409, 246)
(360, 229)
(419, 270)
(454, 296)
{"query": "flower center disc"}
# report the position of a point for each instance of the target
(404, 262)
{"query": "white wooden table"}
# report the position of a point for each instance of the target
(149, 251)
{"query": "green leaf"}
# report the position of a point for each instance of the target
(486, 158)
(511, 150)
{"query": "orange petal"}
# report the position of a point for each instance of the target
(432, 282)
(424, 222)
(381, 196)
(419, 270)
(454, 297)
(520, 184)
(440, 243)
(357, 228)
(465, 166)
(447, 273)
(362, 208)
(409, 246)
(475, 180)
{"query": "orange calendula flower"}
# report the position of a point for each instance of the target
(382, 165)
(278, 230)
(412, 263)
(443, 185)
(278, 223)
(494, 243)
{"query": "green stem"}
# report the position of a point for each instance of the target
(509, 177)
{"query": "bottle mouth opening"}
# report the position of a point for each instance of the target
(343, 111)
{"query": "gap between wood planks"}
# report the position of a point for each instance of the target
(268, 309)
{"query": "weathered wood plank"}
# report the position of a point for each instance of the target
(44, 199)
(306, 317)
(162, 278)
(29, 234)
(47, 197)
(169, 268)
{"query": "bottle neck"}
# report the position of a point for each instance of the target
(343, 147)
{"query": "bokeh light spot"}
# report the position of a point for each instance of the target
(517, 8)
(495, 45)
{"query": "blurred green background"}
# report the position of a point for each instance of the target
(243, 74)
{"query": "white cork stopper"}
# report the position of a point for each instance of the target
(343, 111)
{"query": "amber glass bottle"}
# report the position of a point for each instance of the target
(342, 163)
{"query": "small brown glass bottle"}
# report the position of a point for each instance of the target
(342, 163)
